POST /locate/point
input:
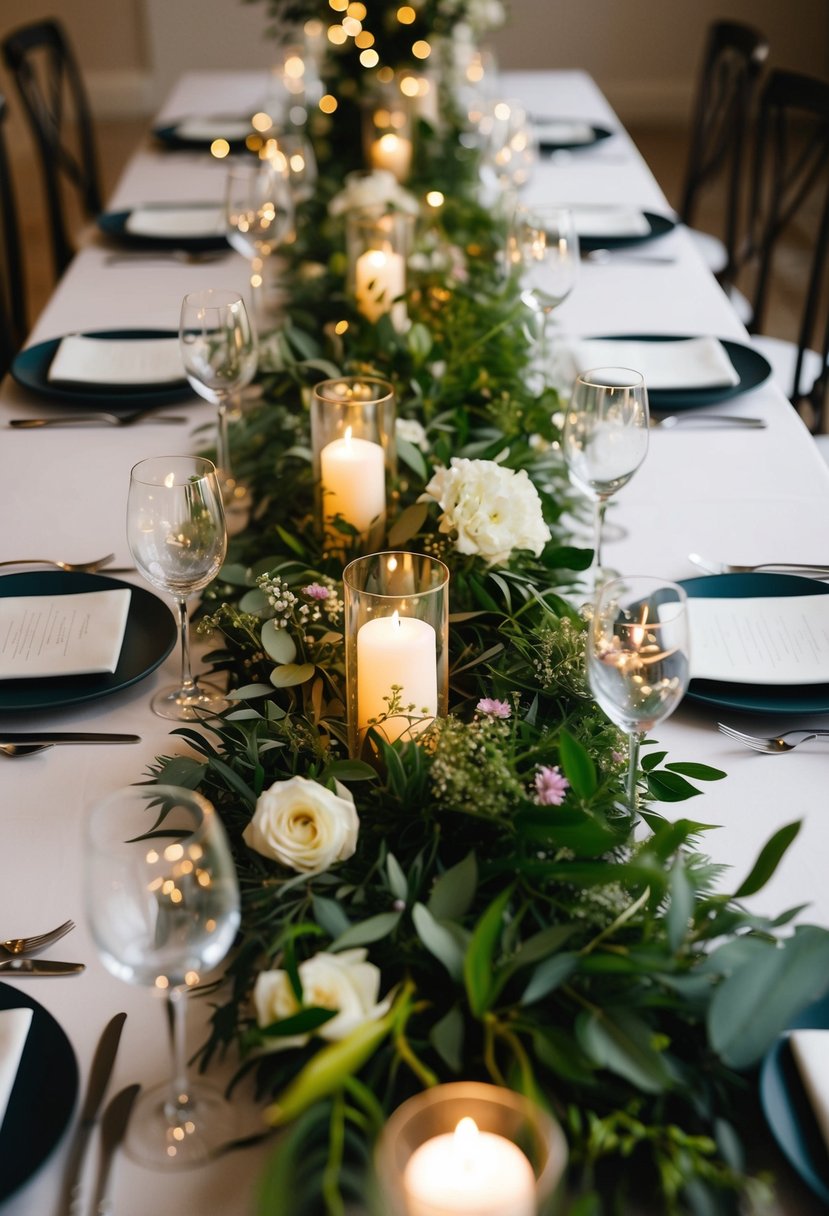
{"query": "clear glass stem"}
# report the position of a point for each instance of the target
(178, 1101)
(222, 442)
(598, 527)
(188, 684)
(634, 742)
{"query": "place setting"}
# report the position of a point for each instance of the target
(197, 132)
(187, 227)
(118, 371)
(567, 134)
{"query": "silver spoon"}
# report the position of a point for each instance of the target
(15, 750)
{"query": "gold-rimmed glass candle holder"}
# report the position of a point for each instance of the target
(396, 645)
(355, 460)
(469, 1149)
(378, 247)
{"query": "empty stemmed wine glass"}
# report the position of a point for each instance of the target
(638, 657)
(543, 246)
(218, 348)
(605, 439)
(162, 903)
(178, 538)
(259, 217)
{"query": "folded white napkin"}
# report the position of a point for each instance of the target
(82, 360)
(810, 1049)
(780, 640)
(62, 635)
(689, 363)
(14, 1027)
(208, 129)
(610, 222)
(563, 131)
(190, 221)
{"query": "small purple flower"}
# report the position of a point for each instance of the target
(550, 786)
(617, 757)
(494, 709)
(315, 591)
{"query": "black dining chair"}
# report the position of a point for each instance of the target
(789, 210)
(13, 325)
(721, 121)
(51, 89)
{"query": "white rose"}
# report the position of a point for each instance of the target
(492, 509)
(303, 825)
(345, 982)
(378, 189)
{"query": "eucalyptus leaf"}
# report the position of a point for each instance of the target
(446, 1036)
(331, 916)
(291, 674)
(397, 879)
(278, 643)
(758, 1000)
(249, 692)
(256, 602)
(408, 524)
(366, 931)
(548, 976)
(621, 1041)
(577, 765)
(452, 895)
(444, 941)
(681, 906)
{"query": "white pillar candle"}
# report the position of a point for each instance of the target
(469, 1173)
(400, 651)
(353, 476)
(379, 278)
(392, 152)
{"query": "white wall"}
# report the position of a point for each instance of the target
(643, 53)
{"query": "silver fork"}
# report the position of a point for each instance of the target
(603, 257)
(711, 567)
(775, 744)
(17, 946)
(70, 567)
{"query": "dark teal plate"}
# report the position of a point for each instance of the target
(42, 1097)
(30, 367)
(659, 225)
(149, 637)
(752, 368)
(787, 1108)
(553, 145)
(114, 224)
(169, 136)
(757, 698)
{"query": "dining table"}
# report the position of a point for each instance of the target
(734, 495)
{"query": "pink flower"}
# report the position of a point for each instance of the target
(315, 591)
(550, 786)
(494, 709)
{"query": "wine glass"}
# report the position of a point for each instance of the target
(605, 439)
(162, 903)
(218, 348)
(543, 245)
(510, 148)
(178, 539)
(259, 217)
(638, 657)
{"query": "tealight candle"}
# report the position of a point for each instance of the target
(400, 651)
(379, 278)
(469, 1173)
(392, 152)
(353, 476)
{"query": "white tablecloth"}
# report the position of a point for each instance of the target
(739, 496)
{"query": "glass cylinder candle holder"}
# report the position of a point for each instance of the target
(469, 1149)
(396, 645)
(355, 460)
(378, 247)
(387, 129)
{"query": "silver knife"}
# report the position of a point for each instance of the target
(39, 966)
(51, 737)
(114, 1123)
(99, 1074)
(708, 422)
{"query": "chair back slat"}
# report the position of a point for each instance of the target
(732, 63)
(54, 99)
(13, 325)
(790, 195)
